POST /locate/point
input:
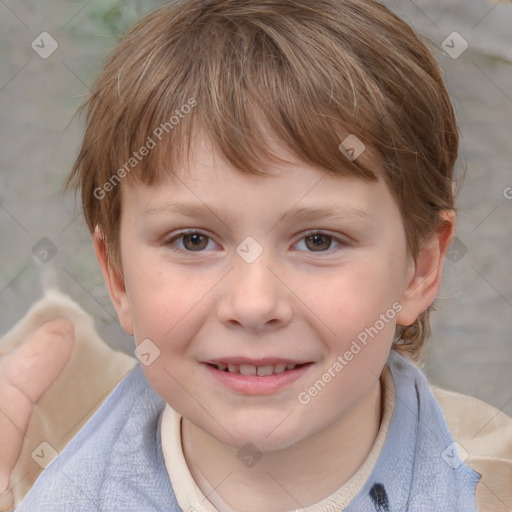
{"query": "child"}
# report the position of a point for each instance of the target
(269, 189)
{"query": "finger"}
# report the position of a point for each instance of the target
(35, 365)
(15, 409)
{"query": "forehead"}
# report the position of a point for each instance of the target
(208, 184)
(205, 160)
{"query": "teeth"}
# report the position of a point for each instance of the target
(279, 368)
(263, 371)
(249, 369)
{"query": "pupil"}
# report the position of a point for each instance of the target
(319, 241)
(197, 241)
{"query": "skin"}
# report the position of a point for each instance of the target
(293, 301)
(25, 375)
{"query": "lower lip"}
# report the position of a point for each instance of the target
(255, 385)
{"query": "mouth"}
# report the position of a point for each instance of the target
(259, 370)
(257, 377)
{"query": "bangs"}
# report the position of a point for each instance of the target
(242, 85)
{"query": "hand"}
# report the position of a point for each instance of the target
(25, 374)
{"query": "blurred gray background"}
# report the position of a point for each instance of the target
(471, 346)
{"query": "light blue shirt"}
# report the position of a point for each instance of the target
(115, 463)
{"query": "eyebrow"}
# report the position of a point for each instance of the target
(337, 212)
(333, 212)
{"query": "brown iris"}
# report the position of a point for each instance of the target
(197, 242)
(319, 242)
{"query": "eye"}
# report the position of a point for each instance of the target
(321, 242)
(193, 241)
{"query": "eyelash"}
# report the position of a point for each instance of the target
(181, 234)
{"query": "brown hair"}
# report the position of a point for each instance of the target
(309, 72)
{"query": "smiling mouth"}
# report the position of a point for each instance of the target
(260, 371)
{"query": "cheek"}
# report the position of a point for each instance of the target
(167, 304)
(353, 297)
(359, 306)
(167, 310)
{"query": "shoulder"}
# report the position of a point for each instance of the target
(111, 459)
(483, 437)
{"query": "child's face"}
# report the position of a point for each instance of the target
(292, 304)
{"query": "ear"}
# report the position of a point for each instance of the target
(426, 271)
(114, 281)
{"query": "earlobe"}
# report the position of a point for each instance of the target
(426, 271)
(114, 281)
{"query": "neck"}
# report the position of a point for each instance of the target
(291, 478)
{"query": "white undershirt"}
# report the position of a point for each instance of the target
(192, 499)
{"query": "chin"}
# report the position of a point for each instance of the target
(265, 432)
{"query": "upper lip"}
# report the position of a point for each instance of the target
(265, 361)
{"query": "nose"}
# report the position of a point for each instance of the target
(254, 298)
